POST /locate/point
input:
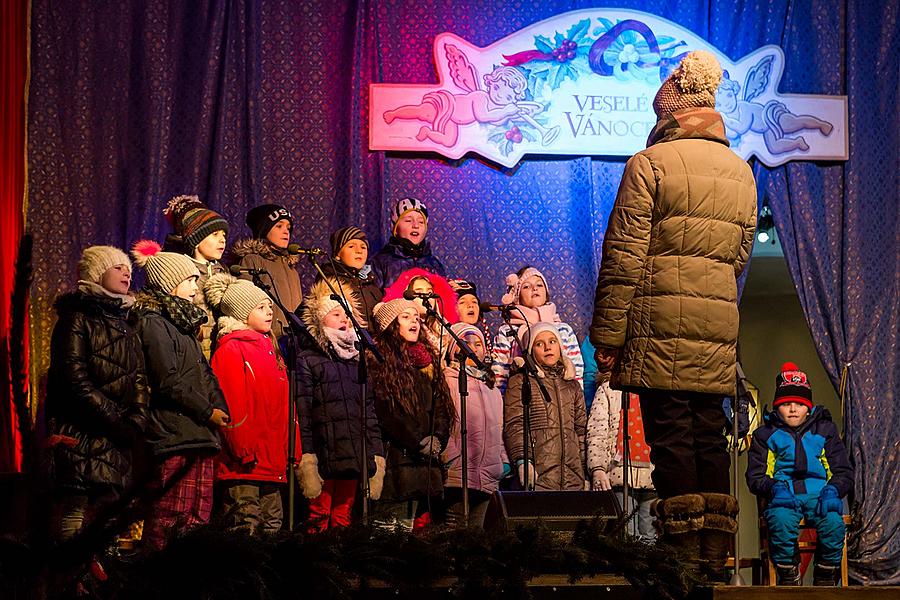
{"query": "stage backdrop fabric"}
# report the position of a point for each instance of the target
(245, 102)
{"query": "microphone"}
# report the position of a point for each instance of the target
(296, 249)
(488, 307)
(237, 270)
(411, 295)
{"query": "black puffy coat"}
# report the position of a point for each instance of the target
(328, 395)
(183, 388)
(363, 293)
(96, 394)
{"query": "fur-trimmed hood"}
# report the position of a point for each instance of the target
(318, 303)
(566, 370)
(230, 325)
(246, 247)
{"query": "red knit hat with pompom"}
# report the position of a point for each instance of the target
(791, 385)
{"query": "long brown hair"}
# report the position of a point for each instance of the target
(394, 379)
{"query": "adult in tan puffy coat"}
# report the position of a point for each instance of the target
(665, 314)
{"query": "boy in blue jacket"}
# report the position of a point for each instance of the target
(799, 464)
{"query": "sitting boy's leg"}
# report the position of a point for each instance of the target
(784, 530)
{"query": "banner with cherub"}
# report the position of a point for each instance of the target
(582, 83)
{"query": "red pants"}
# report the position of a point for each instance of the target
(333, 506)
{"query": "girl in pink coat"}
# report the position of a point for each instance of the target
(487, 462)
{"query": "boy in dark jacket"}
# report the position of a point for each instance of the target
(799, 465)
(351, 275)
(97, 389)
(186, 403)
(330, 397)
(407, 248)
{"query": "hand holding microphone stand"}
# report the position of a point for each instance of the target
(365, 343)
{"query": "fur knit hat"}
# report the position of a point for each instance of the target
(342, 236)
(97, 260)
(165, 270)
(791, 385)
(406, 205)
(261, 219)
(692, 84)
(514, 285)
(235, 298)
(193, 220)
(386, 312)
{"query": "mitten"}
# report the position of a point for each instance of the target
(783, 497)
(829, 501)
(308, 475)
(376, 481)
(430, 446)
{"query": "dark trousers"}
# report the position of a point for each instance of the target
(685, 431)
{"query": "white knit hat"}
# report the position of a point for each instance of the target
(97, 260)
(526, 337)
(165, 270)
(235, 298)
(386, 312)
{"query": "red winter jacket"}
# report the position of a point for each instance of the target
(256, 390)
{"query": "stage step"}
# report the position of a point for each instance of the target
(812, 593)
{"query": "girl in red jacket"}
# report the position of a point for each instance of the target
(253, 467)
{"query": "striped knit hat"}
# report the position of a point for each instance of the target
(340, 238)
(165, 270)
(235, 298)
(193, 220)
(692, 84)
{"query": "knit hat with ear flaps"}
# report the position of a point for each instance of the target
(462, 330)
(97, 260)
(165, 270)
(791, 385)
(405, 205)
(526, 341)
(342, 237)
(261, 219)
(386, 312)
(235, 298)
(692, 84)
(514, 285)
(193, 220)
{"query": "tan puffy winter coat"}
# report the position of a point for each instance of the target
(678, 236)
(558, 429)
(259, 254)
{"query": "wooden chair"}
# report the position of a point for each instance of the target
(807, 544)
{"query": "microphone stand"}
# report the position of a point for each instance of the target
(291, 365)
(365, 343)
(463, 355)
(626, 456)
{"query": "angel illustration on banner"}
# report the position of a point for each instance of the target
(773, 119)
(502, 100)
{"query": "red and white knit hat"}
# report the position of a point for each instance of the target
(791, 385)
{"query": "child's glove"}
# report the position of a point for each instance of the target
(308, 475)
(507, 471)
(430, 446)
(532, 475)
(829, 501)
(783, 497)
(376, 481)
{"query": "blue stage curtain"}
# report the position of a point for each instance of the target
(245, 102)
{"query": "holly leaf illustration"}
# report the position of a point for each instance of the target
(497, 137)
(558, 39)
(526, 133)
(578, 30)
(543, 44)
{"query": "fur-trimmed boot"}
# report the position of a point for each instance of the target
(679, 520)
(826, 575)
(717, 535)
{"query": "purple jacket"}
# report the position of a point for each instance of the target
(484, 417)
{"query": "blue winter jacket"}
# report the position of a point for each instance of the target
(399, 255)
(807, 457)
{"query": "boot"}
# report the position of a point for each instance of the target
(787, 574)
(827, 575)
(679, 520)
(717, 535)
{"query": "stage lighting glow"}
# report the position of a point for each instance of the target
(765, 226)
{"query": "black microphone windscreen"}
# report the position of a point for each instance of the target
(410, 295)
(486, 307)
(235, 270)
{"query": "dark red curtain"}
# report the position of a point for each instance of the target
(13, 76)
